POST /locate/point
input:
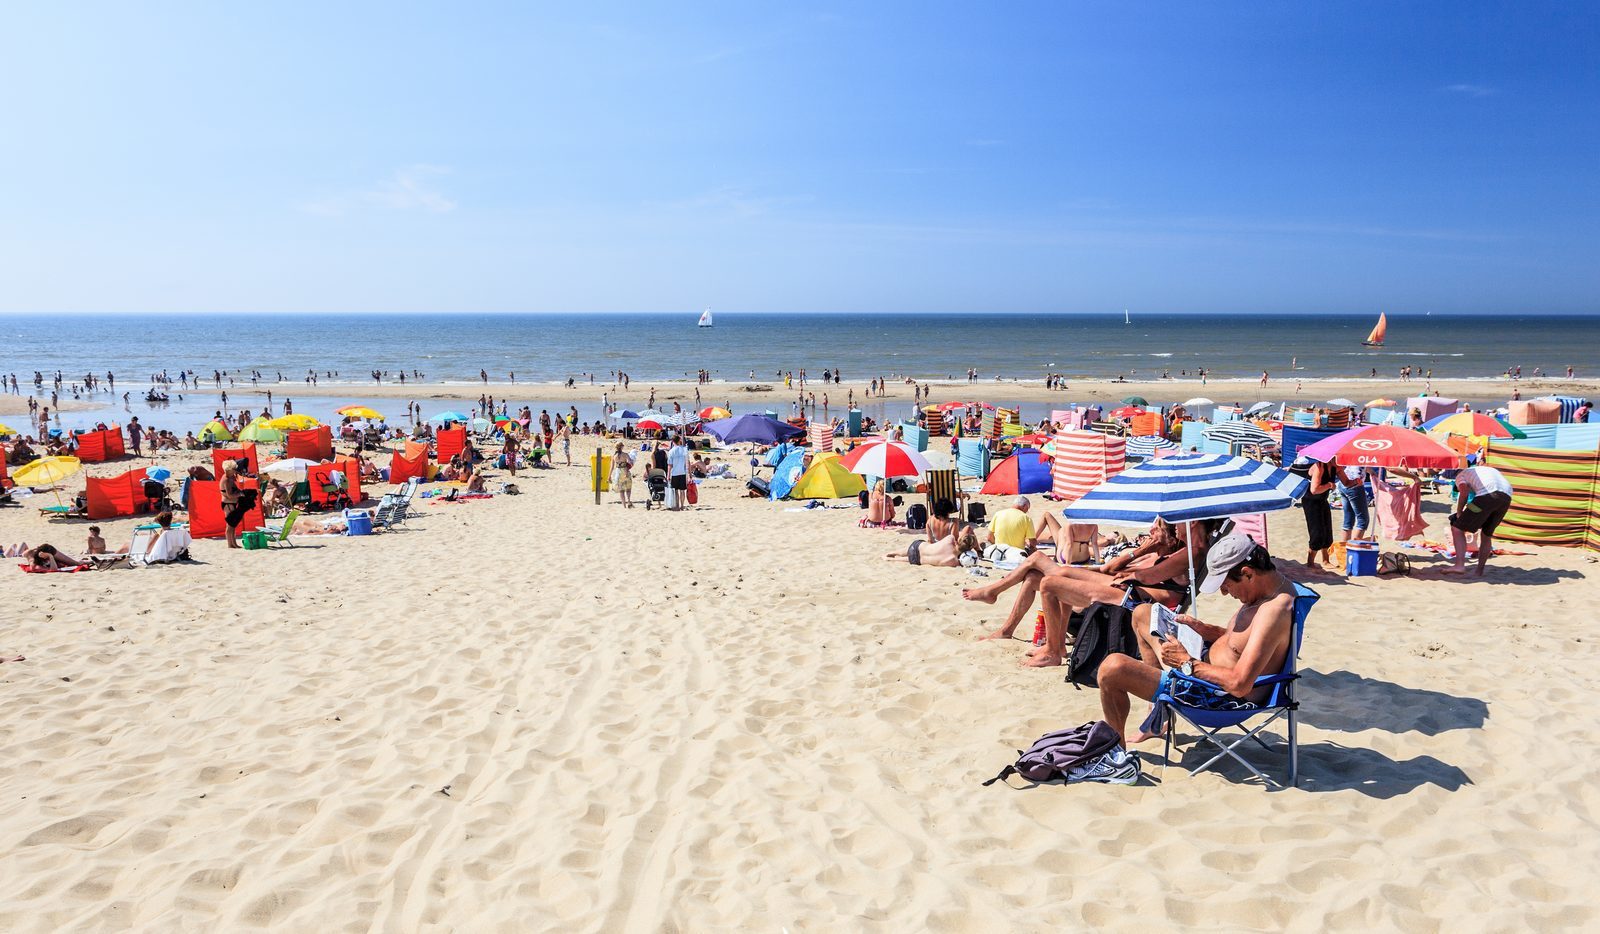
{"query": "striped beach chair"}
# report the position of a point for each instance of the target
(941, 485)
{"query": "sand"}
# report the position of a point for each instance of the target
(533, 713)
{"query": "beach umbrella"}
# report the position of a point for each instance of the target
(1136, 400)
(679, 419)
(649, 424)
(290, 467)
(216, 431)
(294, 422)
(1199, 400)
(714, 412)
(1383, 446)
(158, 473)
(1382, 404)
(260, 429)
(1471, 423)
(1260, 407)
(358, 411)
(450, 417)
(1239, 432)
(1189, 488)
(1346, 403)
(1032, 440)
(6, 431)
(1145, 447)
(46, 471)
(1127, 411)
(759, 429)
(886, 459)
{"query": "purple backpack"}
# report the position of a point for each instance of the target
(1054, 754)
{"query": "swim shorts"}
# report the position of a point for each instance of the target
(1483, 514)
(914, 552)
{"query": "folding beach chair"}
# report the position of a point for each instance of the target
(1281, 703)
(279, 534)
(941, 485)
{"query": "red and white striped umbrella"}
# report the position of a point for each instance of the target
(885, 459)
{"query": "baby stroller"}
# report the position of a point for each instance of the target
(655, 480)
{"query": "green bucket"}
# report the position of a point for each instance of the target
(252, 541)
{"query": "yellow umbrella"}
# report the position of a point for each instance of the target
(358, 411)
(294, 422)
(6, 430)
(46, 471)
(1382, 404)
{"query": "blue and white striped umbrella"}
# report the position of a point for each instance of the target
(1146, 446)
(1239, 432)
(1187, 488)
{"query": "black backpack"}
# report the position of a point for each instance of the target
(1106, 629)
(917, 517)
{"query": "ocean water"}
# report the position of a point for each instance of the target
(548, 348)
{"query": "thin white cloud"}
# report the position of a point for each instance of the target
(1471, 90)
(409, 188)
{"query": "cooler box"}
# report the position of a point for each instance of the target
(1361, 559)
(357, 522)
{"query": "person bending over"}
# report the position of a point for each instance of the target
(1254, 643)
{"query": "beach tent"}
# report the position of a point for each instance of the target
(972, 458)
(97, 446)
(205, 509)
(1431, 406)
(1026, 471)
(1296, 437)
(110, 497)
(313, 444)
(246, 453)
(215, 431)
(1534, 412)
(1557, 499)
(1568, 404)
(826, 478)
(787, 474)
(260, 429)
(1085, 459)
(403, 468)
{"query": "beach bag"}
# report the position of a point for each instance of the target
(253, 541)
(1106, 630)
(976, 513)
(1392, 563)
(1053, 755)
(694, 492)
(917, 517)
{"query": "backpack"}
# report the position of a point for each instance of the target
(1106, 630)
(1054, 754)
(862, 498)
(917, 517)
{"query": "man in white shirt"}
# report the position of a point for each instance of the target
(678, 471)
(1491, 497)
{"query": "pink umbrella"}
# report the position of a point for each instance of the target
(885, 459)
(1382, 446)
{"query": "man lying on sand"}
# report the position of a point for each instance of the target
(943, 553)
(1253, 643)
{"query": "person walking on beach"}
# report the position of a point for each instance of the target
(508, 451)
(1263, 379)
(135, 436)
(678, 472)
(622, 475)
(564, 435)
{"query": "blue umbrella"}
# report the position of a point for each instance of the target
(1188, 488)
(449, 417)
(757, 428)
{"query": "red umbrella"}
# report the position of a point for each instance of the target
(885, 459)
(1383, 446)
(1127, 411)
(648, 424)
(1033, 440)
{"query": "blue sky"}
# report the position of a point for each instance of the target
(1052, 157)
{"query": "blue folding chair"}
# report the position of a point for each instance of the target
(1281, 703)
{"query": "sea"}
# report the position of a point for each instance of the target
(542, 351)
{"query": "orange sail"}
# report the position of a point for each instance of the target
(1378, 330)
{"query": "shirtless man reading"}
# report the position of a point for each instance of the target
(1253, 643)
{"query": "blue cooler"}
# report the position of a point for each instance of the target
(1361, 559)
(357, 522)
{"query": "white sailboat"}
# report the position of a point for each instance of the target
(705, 318)
(1125, 318)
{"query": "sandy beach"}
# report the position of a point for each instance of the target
(535, 713)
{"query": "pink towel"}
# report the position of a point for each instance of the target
(1399, 508)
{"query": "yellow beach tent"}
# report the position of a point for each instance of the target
(827, 479)
(215, 431)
